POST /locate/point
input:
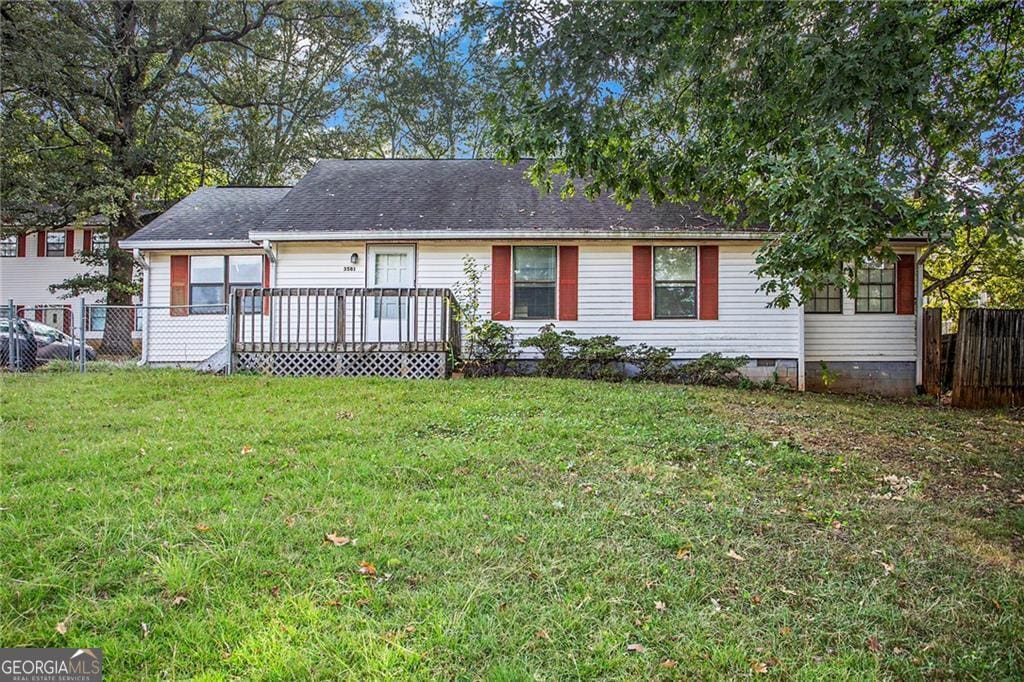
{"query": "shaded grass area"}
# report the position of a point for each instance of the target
(506, 530)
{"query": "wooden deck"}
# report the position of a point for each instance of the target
(337, 330)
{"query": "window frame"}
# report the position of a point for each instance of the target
(878, 266)
(51, 245)
(9, 241)
(553, 283)
(252, 304)
(815, 296)
(655, 282)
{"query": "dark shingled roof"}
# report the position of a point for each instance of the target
(457, 195)
(214, 213)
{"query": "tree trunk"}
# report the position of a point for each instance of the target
(120, 321)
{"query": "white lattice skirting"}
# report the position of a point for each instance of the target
(408, 365)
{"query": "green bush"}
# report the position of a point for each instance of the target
(653, 363)
(712, 369)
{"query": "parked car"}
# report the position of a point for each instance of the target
(24, 345)
(51, 344)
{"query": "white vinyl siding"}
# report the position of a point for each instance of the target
(27, 279)
(188, 339)
(860, 337)
(746, 326)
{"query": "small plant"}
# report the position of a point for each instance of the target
(489, 346)
(828, 377)
(713, 369)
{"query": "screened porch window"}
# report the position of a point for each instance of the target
(675, 282)
(534, 275)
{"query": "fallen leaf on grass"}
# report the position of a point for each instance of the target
(366, 568)
(888, 568)
(874, 644)
(145, 630)
(636, 648)
(275, 591)
(683, 553)
(543, 634)
(759, 667)
(715, 606)
(246, 449)
(337, 540)
(179, 600)
(785, 631)
(659, 605)
(289, 521)
(202, 528)
(62, 627)
(733, 555)
(362, 602)
(669, 663)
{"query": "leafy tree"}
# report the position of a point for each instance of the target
(424, 86)
(840, 125)
(977, 268)
(278, 96)
(100, 82)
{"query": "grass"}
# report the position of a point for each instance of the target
(518, 529)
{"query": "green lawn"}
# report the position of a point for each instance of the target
(517, 529)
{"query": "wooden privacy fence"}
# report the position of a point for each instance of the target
(989, 370)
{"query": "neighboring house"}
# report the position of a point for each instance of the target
(665, 275)
(31, 261)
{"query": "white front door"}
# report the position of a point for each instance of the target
(389, 267)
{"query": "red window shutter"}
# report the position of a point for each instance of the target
(69, 319)
(568, 282)
(707, 286)
(179, 285)
(501, 282)
(643, 290)
(69, 243)
(21, 245)
(86, 240)
(39, 313)
(266, 283)
(905, 285)
(41, 244)
(20, 311)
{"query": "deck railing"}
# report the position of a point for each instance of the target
(343, 320)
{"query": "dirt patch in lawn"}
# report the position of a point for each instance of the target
(974, 454)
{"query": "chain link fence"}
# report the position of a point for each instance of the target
(94, 336)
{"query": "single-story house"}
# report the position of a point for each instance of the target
(664, 275)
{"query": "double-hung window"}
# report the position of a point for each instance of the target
(876, 288)
(212, 277)
(100, 241)
(9, 246)
(535, 280)
(675, 282)
(97, 318)
(246, 272)
(55, 244)
(825, 299)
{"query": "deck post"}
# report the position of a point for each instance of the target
(230, 333)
